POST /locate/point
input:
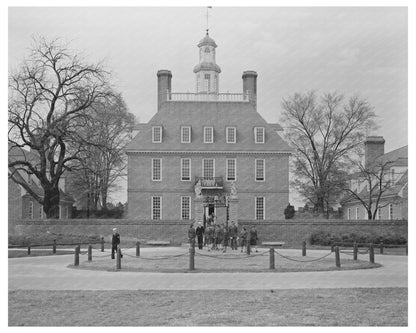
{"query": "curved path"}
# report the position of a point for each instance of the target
(52, 273)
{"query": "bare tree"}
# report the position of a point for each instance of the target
(104, 162)
(323, 132)
(50, 99)
(376, 181)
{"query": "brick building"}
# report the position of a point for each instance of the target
(207, 152)
(391, 169)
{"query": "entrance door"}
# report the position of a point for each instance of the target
(209, 209)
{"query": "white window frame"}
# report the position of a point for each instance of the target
(255, 208)
(31, 210)
(235, 169)
(190, 134)
(190, 170)
(349, 214)
(264, 169)
(60, 212)
(356, 213)
(391, 212)
(189, 208)
(153, 134)
(231, 128)
(205, 134)
(152, 208)
(41, 212)
(203, 167)
(263, 136)
(153, 176)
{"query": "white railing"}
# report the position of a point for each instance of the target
(205, 97)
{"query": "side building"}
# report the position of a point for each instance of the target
(388, 171)
(207, 153)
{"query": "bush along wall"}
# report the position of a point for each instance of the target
(326, 238)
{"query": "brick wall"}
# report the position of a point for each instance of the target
(292, 232)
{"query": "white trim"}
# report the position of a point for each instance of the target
(264, 169)
(349, 214)
(356, 213)
(213, 167)
(190, 134)
(255, 135)
(235, 134)
(181, 206)
(212, 137)
(151, 208)
(235, 169)
(190, 169)
(255, 208)
(153, 134)
(157, 180)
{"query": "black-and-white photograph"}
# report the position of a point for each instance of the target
(207, 166)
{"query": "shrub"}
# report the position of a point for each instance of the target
(326, 238)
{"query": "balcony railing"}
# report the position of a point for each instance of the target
(206, 97)
(210, 183)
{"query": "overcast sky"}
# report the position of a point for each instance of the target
(350, 50)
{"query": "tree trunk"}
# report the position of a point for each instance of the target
(320, 205)
(51, 202)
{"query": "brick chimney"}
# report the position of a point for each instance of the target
(250, 85)
(164, 88)
(374, 147)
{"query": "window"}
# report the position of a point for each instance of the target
(379, 213)
(231, 169)
(208, 168)
(66, 212)
(185, 169)
(231, 137)
(156, 208)
(349, 213)
(31, 210)
(259, 134)
(157, 134)
(208, 134)
(207, 82)
(60, 211)
(356, 213)
(41, 211)
(390, 211)
(185, 208)
(259, 208)
(260, 172)
(185, 134)
(156, 169)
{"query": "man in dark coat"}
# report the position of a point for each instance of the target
(233, 235)
(200, 235)
(115, 242)
(253, 237)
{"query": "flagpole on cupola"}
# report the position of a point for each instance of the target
(208, 7)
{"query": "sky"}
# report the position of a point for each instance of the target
(350, 50)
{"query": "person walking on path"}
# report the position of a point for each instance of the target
(233, 235)
(218, 237)
(191, 234)
(243, 238)
(209, 235)
(253, 237)
(115, 242)
(200, 235)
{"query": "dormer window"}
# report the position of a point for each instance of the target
(208, 134)
(259, 134)
(157, 134)
(231, 134)
(186, 134)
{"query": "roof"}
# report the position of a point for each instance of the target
(398, 156)
(207, 66)
(174, 114)
(207, 40)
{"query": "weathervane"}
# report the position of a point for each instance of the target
(209, 7)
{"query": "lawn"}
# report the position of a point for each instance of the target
(177, 260)
(304, 307)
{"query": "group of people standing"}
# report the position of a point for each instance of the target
(220, 236)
